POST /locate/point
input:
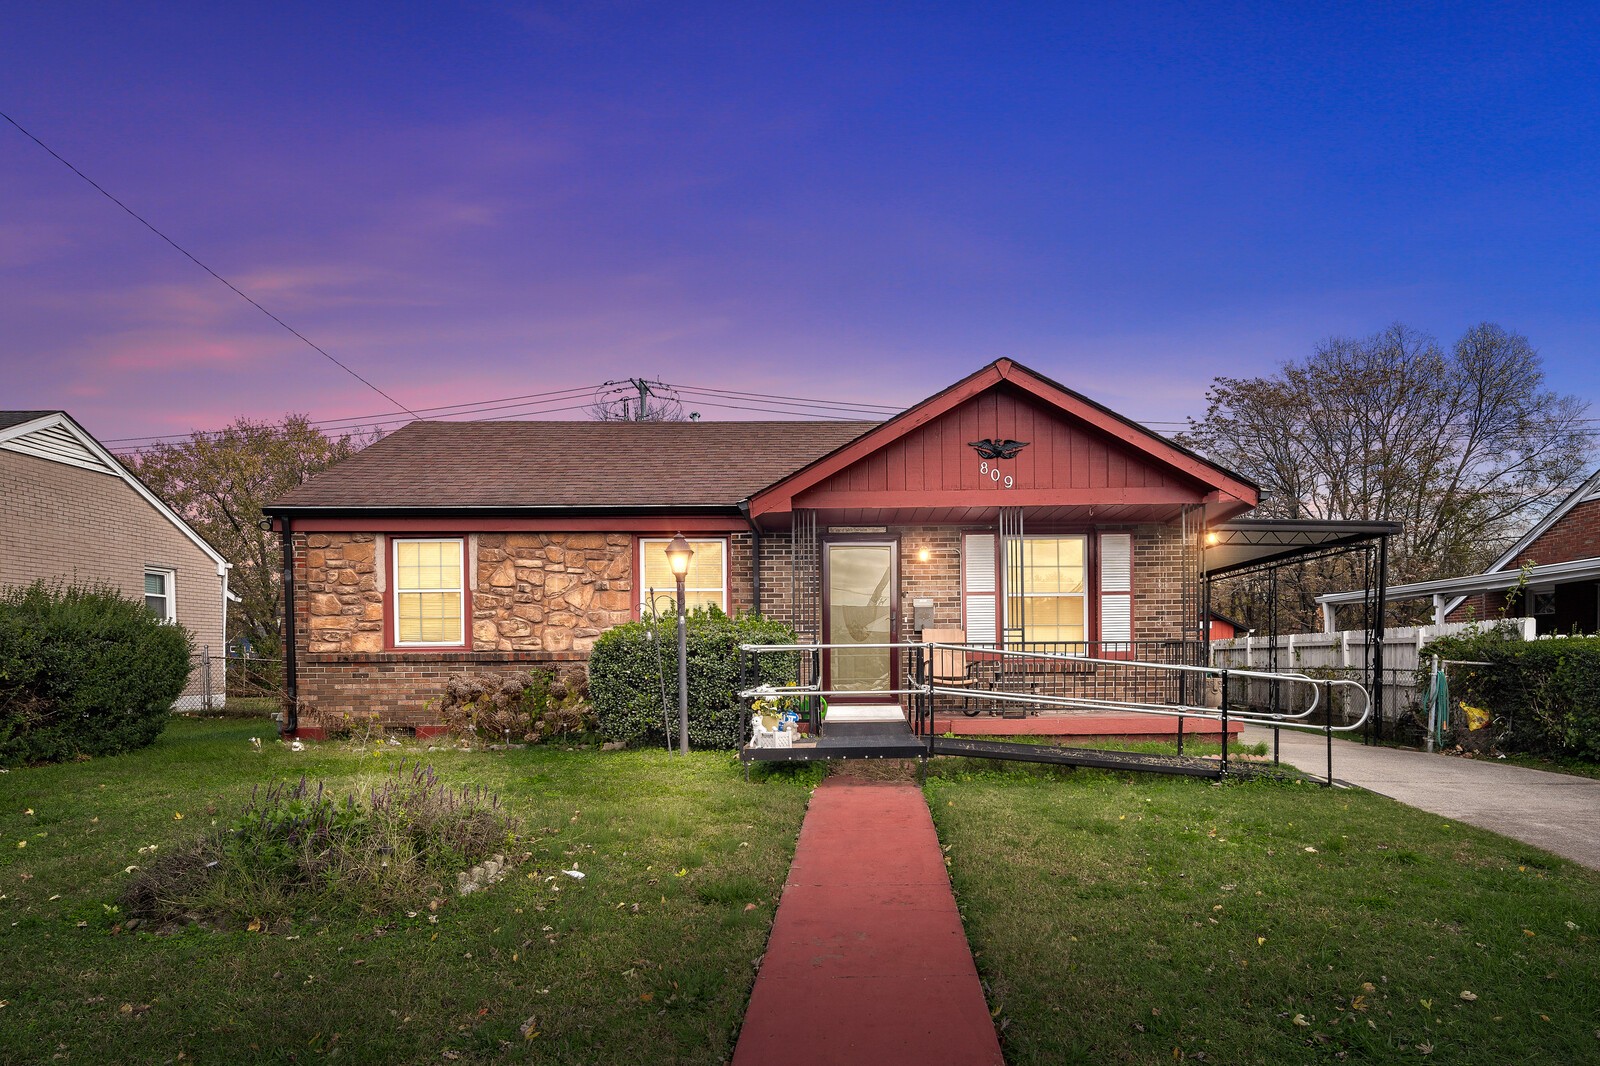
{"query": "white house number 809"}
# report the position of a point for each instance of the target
(993, 474)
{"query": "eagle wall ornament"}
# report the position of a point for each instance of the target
(998, 449)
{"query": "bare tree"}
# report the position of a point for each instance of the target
(1464, 446)
(218, 483)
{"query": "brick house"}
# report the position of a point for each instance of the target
(70, 512)
(1551, 574)
(1006, 506)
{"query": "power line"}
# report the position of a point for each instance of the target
(186, 253)
(357, 421)
(803, 399)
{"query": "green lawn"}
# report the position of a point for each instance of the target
(1114, 919)
(649, 958)
(1126, 918)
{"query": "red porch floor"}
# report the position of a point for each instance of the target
(867, 962)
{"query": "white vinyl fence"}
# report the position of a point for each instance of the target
(1344, 655)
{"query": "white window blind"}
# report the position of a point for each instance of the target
(979, 599)
(1116, 587)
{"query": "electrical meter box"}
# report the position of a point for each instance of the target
(921, 614)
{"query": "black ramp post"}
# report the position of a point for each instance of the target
(1328, 696)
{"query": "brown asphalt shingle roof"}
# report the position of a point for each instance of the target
(570, 464)
(16, 418)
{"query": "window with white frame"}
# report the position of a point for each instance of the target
(158, 594)
(428, 594)
(1052, 603)
(705, 583)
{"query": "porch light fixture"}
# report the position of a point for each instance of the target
(923, 555)
(678, 555)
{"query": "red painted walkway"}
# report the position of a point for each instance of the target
(867, 962)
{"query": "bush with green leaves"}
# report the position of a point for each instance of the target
(1543, 695)
(633, 676)
(84, 671)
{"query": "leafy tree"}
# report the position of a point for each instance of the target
(218, 482)
(1463, 446)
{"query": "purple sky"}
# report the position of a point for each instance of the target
(811, 201)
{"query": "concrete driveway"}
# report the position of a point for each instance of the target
(1556, 812)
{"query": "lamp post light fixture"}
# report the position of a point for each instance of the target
(678, 555)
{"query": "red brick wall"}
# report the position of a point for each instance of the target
(1575, 535)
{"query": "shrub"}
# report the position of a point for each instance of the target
(84, 672)
(633, 676)
(1544, 695)
(531, 707)
(295, 845)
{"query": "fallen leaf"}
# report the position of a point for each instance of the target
(749, 907)
(1300, 1019)
(682, 873)
(1470, 997)
(1260, 940)
(177, 816)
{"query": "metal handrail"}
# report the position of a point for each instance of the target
(1175, 710)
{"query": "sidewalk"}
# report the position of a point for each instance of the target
(1557, 812)
(867, 962)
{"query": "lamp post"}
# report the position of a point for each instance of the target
(678, 555)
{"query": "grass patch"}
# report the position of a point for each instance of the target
(1123, 918)
(1556, 764)
(648, 958)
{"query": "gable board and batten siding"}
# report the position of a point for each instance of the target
(70, 512)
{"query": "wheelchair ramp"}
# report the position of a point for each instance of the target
(1139, 762)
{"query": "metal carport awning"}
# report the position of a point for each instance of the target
(1245, 544)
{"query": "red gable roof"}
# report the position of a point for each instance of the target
(1081, 461)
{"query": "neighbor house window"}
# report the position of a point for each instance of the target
(1047, 594)
(428, 597)
(158, 595)
(705, 583)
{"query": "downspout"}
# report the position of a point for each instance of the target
(755, 556)
(291, 704)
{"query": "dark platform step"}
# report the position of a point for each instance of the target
(901, 746)
(865, 729)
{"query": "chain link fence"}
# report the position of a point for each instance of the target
(231, 681)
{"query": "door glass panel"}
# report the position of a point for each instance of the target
(860, 611)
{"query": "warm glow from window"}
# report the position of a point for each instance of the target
(704, 582)
(427, 592)
(1053, 602)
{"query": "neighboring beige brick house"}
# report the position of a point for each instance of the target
(70, 512)
(1005, 506)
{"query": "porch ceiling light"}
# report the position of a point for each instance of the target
(678, 555)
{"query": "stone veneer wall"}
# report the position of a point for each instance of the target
(538, 599)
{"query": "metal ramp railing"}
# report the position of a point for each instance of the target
(1189, 692)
